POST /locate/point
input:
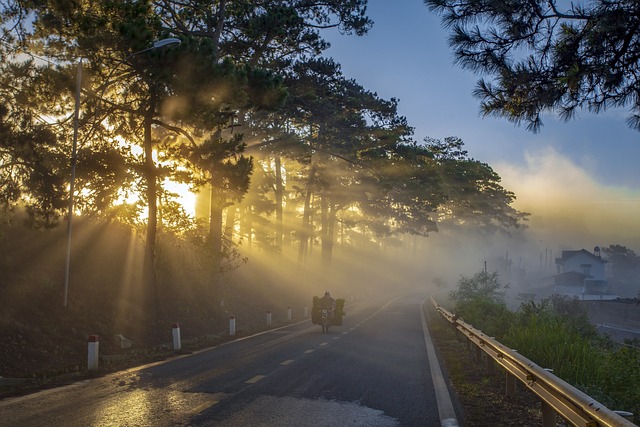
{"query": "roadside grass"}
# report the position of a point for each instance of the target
(606, 371)
(556, 334)
(481, 396)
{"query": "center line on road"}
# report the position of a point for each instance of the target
(309, 351)
(286, 362)
(324, 343)
(203, 406)
(255, 379)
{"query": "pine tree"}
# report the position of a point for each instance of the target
(544, 55)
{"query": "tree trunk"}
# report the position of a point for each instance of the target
(230, 222)
(328, 231)
(149, 267)
(279, 190)
(215, 219)
(220, 17)
(305, 229)
(246, 226)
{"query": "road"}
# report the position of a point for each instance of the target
(374, 370)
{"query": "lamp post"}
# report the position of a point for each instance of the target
(171, 41)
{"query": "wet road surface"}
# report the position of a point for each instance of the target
(371, 371)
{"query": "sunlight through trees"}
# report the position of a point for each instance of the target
(242, 134)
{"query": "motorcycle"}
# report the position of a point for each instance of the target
(325, 322)
(324, 317)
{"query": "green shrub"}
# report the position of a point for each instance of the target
(479, 301)
(482, 285)
(491, 317)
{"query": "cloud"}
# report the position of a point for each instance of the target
(569, 206)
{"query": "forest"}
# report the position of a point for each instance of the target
(114, 113)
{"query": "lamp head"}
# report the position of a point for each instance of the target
(166, 42)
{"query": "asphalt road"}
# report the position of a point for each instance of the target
(374, 370)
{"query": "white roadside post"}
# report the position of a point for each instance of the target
(306, 311)
(93, 352)
(269, 318)
(177, 344)
(232, 325)
(289, 314)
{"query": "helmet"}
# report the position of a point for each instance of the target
(327, 294)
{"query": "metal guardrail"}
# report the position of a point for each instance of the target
(558, 397)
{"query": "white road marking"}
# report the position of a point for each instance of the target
(203, 406)
(255, 379)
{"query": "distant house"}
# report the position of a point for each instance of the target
(582, 274)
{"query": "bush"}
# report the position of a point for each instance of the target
(492, 317)
(481, 286)
(479, 301)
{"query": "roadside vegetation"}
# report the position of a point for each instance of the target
(556, 334)
(481, 397)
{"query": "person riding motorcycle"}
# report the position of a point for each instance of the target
(328, 303)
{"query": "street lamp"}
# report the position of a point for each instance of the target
(171, 41)
(160, 43)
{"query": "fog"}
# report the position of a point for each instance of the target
(570, 210)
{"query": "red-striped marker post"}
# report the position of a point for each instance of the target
(93, 352)
(177, 344)
(232, 325)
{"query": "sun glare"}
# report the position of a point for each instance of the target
(184, 196)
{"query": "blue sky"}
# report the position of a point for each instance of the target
(406, 56)
(588, 166)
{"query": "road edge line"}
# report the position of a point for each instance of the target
(446, 410)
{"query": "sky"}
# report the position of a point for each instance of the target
(581, 178)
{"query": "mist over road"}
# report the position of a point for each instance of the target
(371, 371)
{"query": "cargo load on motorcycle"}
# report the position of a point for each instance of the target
(338, 312)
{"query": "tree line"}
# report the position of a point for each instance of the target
(246, 109)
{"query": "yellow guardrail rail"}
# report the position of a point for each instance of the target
(558, 397)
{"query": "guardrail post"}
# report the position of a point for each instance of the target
(490, 366)
(511, 385)
(269, 318)
(478, 354)
(548, 415)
